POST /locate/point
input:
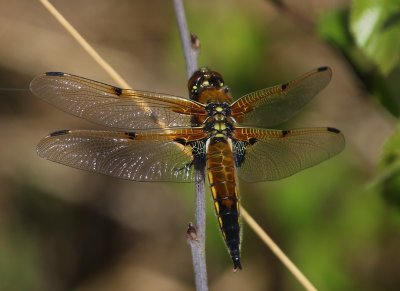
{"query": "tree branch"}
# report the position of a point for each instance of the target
(196, 237)
(189, 51)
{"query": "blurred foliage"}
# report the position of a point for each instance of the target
(389, 178)
(42, 235)
(339, 232)
(330, 215)
(376, 29)
(368, 35)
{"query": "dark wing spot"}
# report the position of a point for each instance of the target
(118, 91)
(59, 132)
(285, 133)
(332, 129)
(321, 69)
(55, 74)
(284, 86)
(252, 140)
(130, 135)
(180, 140)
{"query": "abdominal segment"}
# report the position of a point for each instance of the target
(221, 176)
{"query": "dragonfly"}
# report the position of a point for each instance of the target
(161, 137)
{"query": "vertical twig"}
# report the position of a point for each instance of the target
(197, 245)
(189, 52)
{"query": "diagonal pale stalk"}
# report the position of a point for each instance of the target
(85, 45)
(190, 68)
(276, 250)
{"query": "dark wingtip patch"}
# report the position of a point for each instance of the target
(54, 74)
(284, 86)
(321, 69)
(118, 91)
(332, 129)
(59, 132)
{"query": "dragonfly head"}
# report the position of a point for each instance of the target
(205, 80)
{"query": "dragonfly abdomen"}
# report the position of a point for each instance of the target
(222, 179)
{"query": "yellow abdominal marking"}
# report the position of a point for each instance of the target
(210, 178)
(220, 223)
(214, 193)
(216, 207)
(213, 190)
(206, 83)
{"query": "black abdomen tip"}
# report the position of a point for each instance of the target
(59, 132)
(55, 74)
(321, 69)
(236, 263)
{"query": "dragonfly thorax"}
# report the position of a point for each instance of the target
(218, 123)
(214, 109)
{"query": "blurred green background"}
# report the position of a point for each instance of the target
(65, 229)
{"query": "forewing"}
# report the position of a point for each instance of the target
(112, 106)
(274, 105)
(265, 154)
(149, 157)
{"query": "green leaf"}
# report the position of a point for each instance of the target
(375, 25)
(332, 26)
(391, 154)
(389, 178)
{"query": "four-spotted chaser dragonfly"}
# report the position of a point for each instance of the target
(161, 137)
